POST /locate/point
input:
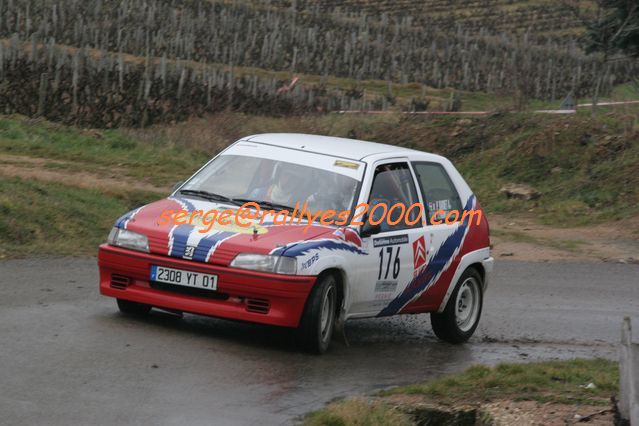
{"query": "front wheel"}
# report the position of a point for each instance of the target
(316, 326)
(460, 318)
(133, 308)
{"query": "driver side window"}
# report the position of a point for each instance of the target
(392, 184)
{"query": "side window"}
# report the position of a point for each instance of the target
(438, 190)
(392, 184)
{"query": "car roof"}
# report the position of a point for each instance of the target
(347, 148)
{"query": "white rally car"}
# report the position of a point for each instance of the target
(400, 232)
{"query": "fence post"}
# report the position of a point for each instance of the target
(42, 94)
(628, 375)
(625, 368)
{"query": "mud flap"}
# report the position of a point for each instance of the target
(339, 332)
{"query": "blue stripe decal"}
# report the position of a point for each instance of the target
(182, 232)
(437, 264)
(180, 237)
(301, 248)
(121, 222)
(189, 206)
(209, 242)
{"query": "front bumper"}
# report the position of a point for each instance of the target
(241, 295)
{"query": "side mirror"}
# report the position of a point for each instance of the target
(367, 229)
(176, 186)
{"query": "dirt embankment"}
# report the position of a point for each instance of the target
(504, 412)
(111, 179)
(521, 238)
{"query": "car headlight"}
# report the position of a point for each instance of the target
(128, 239)
(266, 263)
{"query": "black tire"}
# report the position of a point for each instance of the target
(453, 325)
(133, 308)
(318, 320)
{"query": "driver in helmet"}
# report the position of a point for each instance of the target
(280, 190)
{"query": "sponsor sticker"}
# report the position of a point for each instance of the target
(385, 286)
(419, 252)
(444, 205)
(384, 291)
(309, 262)
(347, 164)
(389, 241)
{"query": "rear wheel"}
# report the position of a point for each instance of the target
(461, 316)
(318, 320)
(133, 308)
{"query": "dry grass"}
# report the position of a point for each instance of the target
(213, 133)
(536, 393)
(563, 382)
(358, 412)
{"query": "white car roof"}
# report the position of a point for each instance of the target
(347, 148)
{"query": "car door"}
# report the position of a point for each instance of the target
(398, 247)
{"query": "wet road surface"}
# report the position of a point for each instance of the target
(68, 357)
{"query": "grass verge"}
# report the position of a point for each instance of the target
(561, 382)
(358, 412)
(553, 382)
(153, 161)
(572, 246)
(40, 218)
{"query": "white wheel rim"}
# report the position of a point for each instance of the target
(467, 304)
(326, 318)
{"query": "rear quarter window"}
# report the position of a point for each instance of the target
(437, 188)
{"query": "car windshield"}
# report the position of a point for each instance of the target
(279, 183)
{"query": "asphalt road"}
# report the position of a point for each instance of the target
(68, 357)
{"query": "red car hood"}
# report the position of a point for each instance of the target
(221, 243)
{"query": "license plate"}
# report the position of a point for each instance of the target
(184, 278)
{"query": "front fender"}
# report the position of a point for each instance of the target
(318, 262)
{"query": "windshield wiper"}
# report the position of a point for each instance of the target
(208, 195)
(264, 203)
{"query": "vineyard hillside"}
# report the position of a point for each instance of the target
(108, 63)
